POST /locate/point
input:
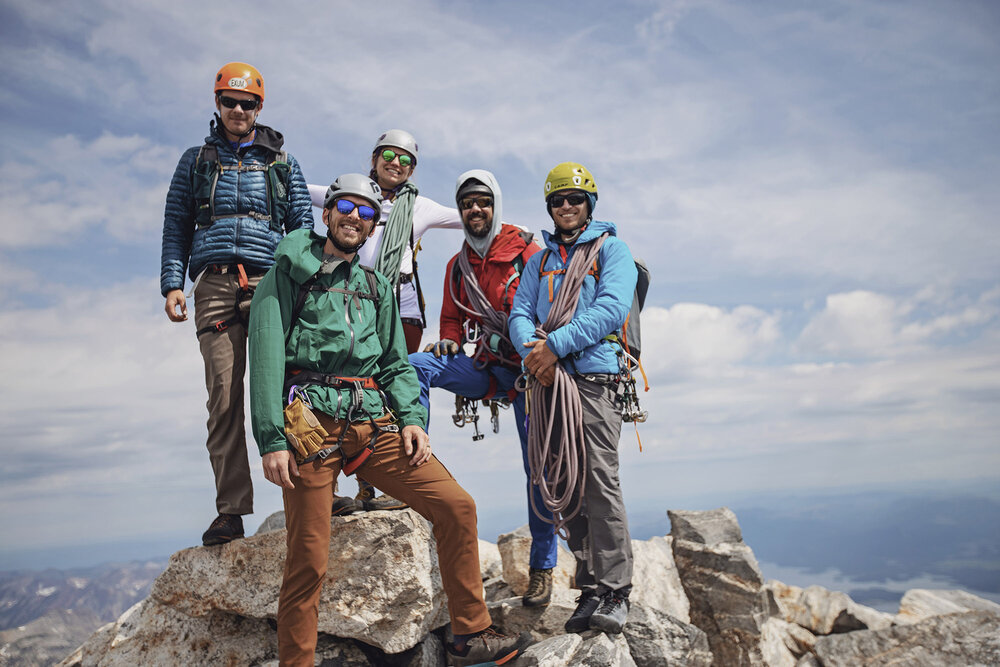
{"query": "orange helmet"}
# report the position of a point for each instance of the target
(242, 77)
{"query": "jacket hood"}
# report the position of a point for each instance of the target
(482, 246)
(594, 229)
(300, 254)
(266, 136)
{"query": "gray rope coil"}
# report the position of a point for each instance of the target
(494, 322)
(558, 468)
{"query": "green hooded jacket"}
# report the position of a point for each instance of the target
(335, 334)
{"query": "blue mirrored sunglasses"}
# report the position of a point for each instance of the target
(345, 206)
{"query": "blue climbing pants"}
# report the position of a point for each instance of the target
(458, 374)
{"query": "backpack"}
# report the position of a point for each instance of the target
(629, 335)
(206, 176)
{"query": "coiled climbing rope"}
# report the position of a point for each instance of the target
(558, 465)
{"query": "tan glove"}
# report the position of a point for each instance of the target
(304, 432)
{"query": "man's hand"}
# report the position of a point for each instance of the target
(418, 443)
(443, 346)
(175, 301)
(540, 358)
(279, 468)
(547, 377)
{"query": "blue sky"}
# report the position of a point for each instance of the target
(813, 186)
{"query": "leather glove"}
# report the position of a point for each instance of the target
(304, 432)
(443, 346)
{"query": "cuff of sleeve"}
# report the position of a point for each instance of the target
(275, 447)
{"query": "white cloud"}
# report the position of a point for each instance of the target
(698, 338)
(864, 324)
(70, 186)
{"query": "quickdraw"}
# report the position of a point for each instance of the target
(467, 412)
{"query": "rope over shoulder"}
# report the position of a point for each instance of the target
(557, 466)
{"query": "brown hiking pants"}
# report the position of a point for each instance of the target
(225, 355)
(429, 489)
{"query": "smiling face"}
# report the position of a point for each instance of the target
(478, 219)
(348, 230)
(569, 217)
(237, 122)
(391, 174)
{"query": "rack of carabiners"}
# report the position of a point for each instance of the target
(467, 412)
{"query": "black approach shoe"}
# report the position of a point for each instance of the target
(586, 605)
(539, 591)
(611, 615)
(488, 647)
(225, 528)
(366, 494)
(342, 506)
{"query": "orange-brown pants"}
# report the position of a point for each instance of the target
(429, 489)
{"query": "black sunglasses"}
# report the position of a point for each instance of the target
(574, 199)
(482, 202)
(232, 102)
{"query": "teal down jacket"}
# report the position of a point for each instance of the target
(231, 240)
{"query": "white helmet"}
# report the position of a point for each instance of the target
(399, 139)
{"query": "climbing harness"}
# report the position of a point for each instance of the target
(244, 295)
(297, 380)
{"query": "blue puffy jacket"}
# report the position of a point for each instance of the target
(601, 310)
(230, 240)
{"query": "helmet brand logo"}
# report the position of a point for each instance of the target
(238, 83)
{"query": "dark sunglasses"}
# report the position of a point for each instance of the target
(390, 155)
(232, 103)
(575, 199)
(481, 202)
(345, 206)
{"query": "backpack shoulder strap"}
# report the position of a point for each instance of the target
(300, 302)
(372, 293)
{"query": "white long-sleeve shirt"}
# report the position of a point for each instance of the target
(427, 214)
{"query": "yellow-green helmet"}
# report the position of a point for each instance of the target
(570, 175)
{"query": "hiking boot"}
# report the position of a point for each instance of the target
(611, 615)
(366, 494)
(539, 588)
(586, 605)
(343, 505)
(488, 647)
(225, 528)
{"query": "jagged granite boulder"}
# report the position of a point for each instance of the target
(920, 603)
(151, 633)
(655, 580)
(552, 652)
(825, 612)
(972, 638)
(723, 583)
(656, 638)
(515, 548)
(382, 587)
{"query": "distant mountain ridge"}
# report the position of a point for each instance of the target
(107, 590)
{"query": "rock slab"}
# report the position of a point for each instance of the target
(723, 583)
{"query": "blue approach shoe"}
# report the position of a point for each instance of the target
(488, 647)
(611, 615)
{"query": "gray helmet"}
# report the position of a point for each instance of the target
(399, 139)
(473, 186)
(358, 185)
